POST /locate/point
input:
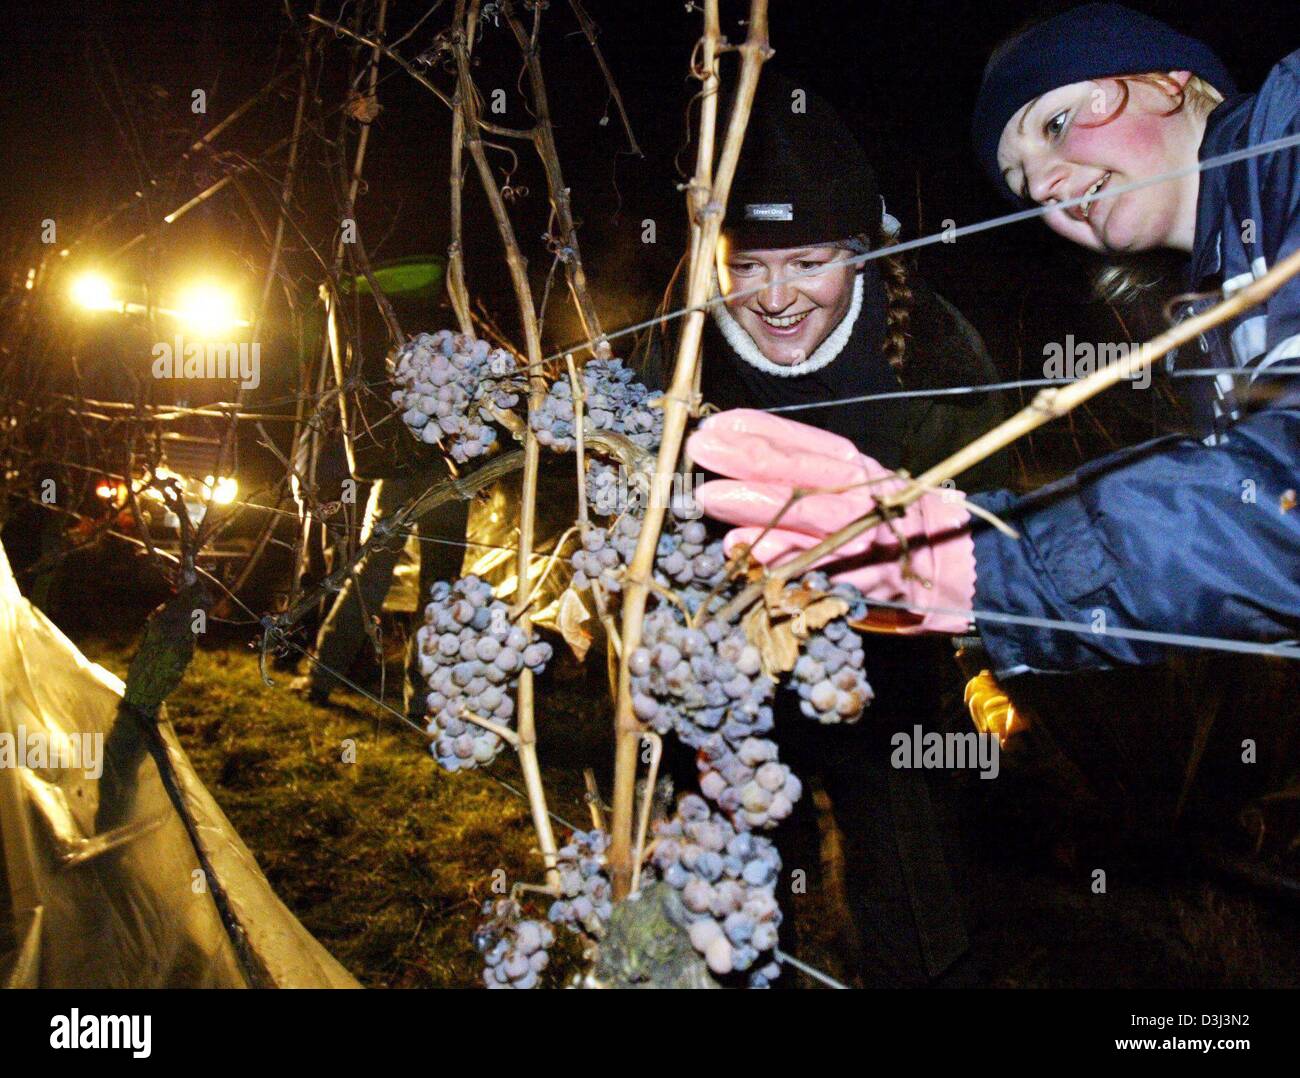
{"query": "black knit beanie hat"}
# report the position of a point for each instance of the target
(802, 178)
(1094, 41)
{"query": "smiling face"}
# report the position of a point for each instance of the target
(787, 320)
(1084, 138)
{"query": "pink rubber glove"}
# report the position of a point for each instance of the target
(767, 457)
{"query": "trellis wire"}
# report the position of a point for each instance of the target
(807, 970)
(946, 236)
(224, 411)
(1280, 651)
(1147, 635)
(1023, 383)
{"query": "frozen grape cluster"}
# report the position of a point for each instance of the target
(605, 553)
(707, 686)
(748, 782)
(586, 892)
(471, 654)
(614, 401)
(727, 882)
(726, 879)
(446, 381)
(829, 675)
(697, 681)
(606, 493)
(610, 491)
(514, 948)
(684, 558)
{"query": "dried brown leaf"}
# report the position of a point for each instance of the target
(817, 613)
(776, 643)
(569, 620)
(779, 625)
(809, 608)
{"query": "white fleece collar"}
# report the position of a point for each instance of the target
(743, 344)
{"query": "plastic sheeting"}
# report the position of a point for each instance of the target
(492, 541)
(404, 593)
(127, 907)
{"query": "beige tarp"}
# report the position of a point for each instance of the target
(126, 908)
(404, 594)
(492, 543)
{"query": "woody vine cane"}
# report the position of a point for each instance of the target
(706, 198)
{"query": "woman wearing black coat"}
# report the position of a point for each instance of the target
(803, 201)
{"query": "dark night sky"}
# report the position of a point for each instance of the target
(904, 75)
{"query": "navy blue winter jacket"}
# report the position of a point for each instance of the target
(1180, 535)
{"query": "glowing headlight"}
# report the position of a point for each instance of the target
(206, 308)
(224, 490)
(93, 292)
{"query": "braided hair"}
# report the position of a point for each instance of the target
(898, 293)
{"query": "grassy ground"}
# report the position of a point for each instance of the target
(386, 860)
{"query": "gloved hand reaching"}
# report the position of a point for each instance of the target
(766, 458)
